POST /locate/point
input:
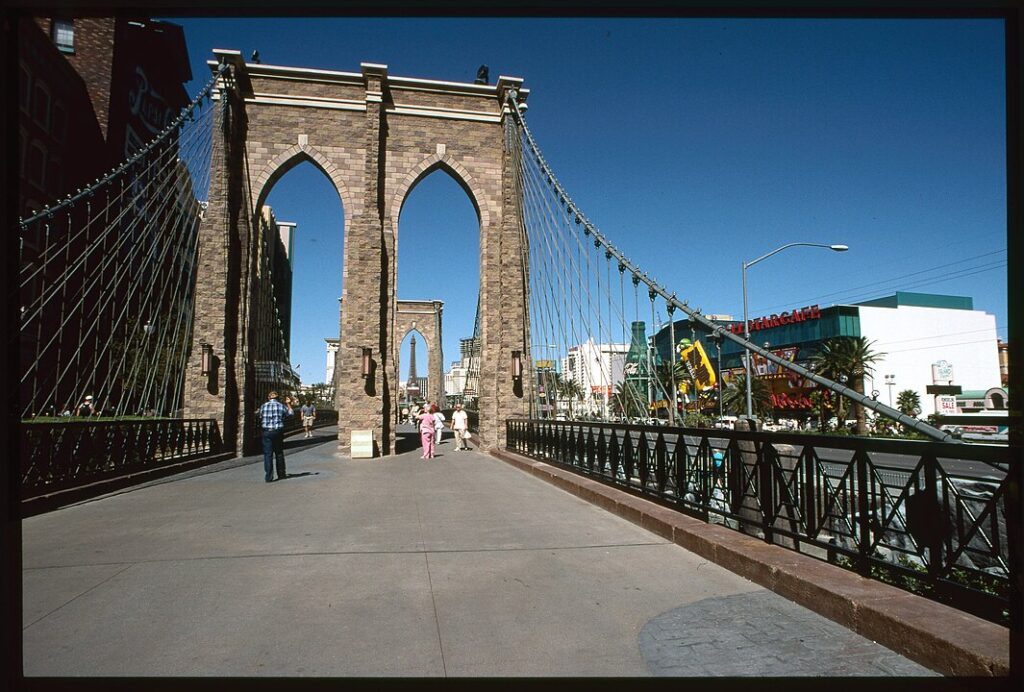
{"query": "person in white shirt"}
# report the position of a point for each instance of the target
(438, 424)
(460, 424)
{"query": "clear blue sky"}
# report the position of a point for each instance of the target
(693, 145)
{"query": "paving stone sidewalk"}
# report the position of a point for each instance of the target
(459, 566)
(762, 631)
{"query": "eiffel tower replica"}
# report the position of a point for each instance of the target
(413, 385)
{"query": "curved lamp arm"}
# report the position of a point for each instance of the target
(837, 248)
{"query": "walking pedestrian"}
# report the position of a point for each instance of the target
(272, 415)
(460, 424)
(439, 420)
(718, 468)
(86, 408)
(308, 417)
(427, 422)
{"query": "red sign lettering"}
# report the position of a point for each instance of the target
(790, 401)
(812, 312)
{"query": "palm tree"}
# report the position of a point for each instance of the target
(848, 359)
(570, 389)
(860, 359)
(734, 397)
(822, 401)
(909, 402)
(629, 401)
(668, 374)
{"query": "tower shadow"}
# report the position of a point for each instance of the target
(407, 439)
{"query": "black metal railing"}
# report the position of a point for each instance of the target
(59, 456)
(928, 517)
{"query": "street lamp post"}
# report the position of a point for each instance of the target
(890, 382)
(746, 320)
(546, 379)
(717, 338)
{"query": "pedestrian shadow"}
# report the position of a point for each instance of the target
(300, 475)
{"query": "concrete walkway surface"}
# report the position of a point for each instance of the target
(457, 566)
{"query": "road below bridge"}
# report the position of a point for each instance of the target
(457, 566)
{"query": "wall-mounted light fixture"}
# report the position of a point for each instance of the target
(207, 358)
(517, 365)
(367, 354)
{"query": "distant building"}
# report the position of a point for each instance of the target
(278, 241)
(332, 355)
(1004, 362)
(980, 400)
(918, 333)
(462, 381)
(271, 324)
(597, 368)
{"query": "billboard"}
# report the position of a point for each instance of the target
(945, 404)
(697, 364)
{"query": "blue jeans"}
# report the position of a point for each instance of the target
(273, 446)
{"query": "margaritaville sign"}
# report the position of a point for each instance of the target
(805, 314)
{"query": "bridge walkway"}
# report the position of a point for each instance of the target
(458, 566)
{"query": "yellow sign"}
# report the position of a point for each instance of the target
(698, 365)
(545, 364)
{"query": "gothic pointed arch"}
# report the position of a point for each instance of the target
(288, 159)
(458, 172)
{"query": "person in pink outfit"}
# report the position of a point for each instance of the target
(426, 422)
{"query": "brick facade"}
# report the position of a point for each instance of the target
(93, 59)
(375, 137)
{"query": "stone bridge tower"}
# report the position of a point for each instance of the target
(375, 136)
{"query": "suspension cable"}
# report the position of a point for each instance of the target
(656, 289)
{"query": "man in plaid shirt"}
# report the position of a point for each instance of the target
(272, 415)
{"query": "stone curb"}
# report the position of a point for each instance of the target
(933, 634)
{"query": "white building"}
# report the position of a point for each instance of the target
(597, 368)
(332, 354)
(455, 379)
(464, 374)
(916, 331)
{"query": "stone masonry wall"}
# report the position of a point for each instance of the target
(374, 159)
(223, 291)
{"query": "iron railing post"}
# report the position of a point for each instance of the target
(934, 539)
(660, 470)
(628, 457)
(593, 435)
(860, 462)
(810, 506)
(765, 488)
(643, 459)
